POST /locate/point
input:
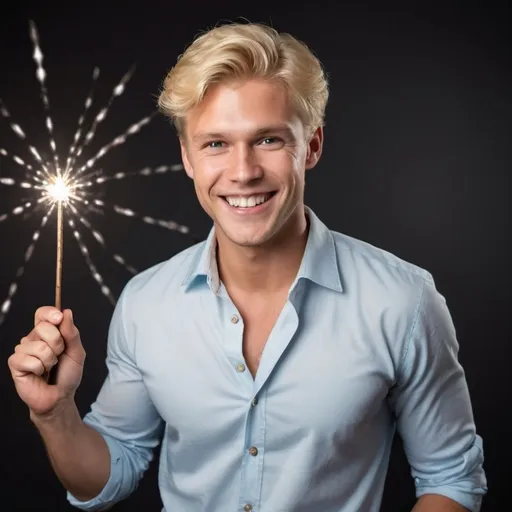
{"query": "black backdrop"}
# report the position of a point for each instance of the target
(417, 161)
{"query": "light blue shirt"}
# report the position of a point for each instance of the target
(364, 346)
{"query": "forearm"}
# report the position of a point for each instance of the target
(78, 454)
(437, 503)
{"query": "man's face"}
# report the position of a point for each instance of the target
(246, 150)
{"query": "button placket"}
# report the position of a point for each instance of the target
(240, 367)
(254, 453)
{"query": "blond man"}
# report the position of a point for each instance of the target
(275, 360)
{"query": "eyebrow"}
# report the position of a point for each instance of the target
(282, 129)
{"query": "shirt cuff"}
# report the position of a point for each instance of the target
(110, 492)
(471, 501)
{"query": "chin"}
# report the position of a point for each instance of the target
(246, 238)
(247, 241)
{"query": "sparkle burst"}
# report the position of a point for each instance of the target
(71, 182)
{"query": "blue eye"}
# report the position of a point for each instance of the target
(214, 144)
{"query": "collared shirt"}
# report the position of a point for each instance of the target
(364, 347)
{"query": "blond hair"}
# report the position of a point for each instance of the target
(243, 51)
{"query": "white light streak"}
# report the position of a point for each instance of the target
(29, 251)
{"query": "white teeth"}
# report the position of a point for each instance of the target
(247, 202)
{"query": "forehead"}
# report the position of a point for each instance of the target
(242, 107)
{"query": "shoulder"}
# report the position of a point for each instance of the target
(162, 280)
(385, 290)
(389, 294)
(148, 295)
(380, 268)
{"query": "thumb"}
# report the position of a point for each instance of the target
(71, 336)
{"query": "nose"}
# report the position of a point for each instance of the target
(244, 166)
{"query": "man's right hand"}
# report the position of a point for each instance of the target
(54, 339)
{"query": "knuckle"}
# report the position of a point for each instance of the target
(42, 350)
(40, 313)
(25, 363)
(11, 361)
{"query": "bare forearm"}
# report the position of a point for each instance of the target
(78, 453)
(437, 503)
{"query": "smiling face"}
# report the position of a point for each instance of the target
(246, 150)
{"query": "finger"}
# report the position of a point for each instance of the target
(39, 350)
(50, 334)
(71, 335)
(23, 363)
(68, 329)
(48, 314)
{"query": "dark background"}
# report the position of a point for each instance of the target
(417, 161)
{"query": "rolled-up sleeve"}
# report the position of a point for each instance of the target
(124, 414)
(433, 408)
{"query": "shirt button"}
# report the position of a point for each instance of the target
(248, 507)
(240, 367)
(255, 401)
(234, 319)
(253, 451)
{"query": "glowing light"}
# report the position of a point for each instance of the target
(59, 190)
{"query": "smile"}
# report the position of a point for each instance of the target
(248, 203)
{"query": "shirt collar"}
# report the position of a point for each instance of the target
(319, 263)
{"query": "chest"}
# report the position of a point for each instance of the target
(259, 319)
(320, 371)
(318, 385)
(255, 336)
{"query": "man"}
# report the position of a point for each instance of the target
(274, 360)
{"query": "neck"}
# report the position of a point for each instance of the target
(265, 269)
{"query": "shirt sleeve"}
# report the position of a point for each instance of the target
(433, 408)
(124, 415)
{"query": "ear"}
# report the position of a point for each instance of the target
(315, 145)
(184, 157)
